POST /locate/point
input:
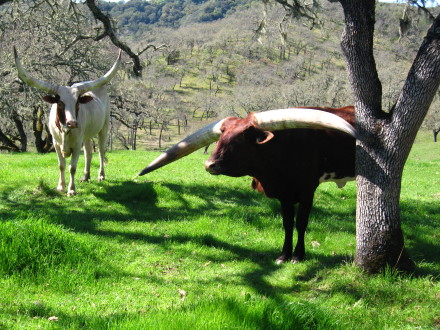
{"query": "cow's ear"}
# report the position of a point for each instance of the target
(85, 99)
(265, 138)
(51, 99)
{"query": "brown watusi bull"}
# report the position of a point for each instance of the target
(288, 152)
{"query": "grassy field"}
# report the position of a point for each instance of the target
(181, 249)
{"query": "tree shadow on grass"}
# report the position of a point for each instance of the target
(140, 203)
(221, 312)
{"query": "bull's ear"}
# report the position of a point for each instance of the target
(51, 99)
(266, 138)
(85, 99)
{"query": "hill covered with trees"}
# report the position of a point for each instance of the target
(136, 15)
(196, 65)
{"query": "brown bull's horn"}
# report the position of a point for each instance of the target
(275, 120)
(191, 143)
(22, 73)
(95, 84)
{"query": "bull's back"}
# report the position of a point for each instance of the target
(300, 159)
(95, 115)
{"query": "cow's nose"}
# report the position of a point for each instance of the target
(210, 167)
(72, 124)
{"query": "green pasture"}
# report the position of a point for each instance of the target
(181, 249)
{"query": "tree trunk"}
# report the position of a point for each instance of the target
(42, 145)
(386, 137)
(20, 128)
(134, 134)
(7, 143)
(160, 135)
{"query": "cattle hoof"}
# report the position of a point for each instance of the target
(296, 260)
(101, 178)
(85, 178)
(60, 188)
(281, 260)
(71, 193)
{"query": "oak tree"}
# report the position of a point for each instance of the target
(386, 134)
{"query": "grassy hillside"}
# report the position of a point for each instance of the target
(180, 249)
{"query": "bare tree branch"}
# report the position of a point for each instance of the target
(298, 9)
(421, 4)
(152, 46)
(110, 32)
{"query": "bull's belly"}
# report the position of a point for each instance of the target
(340, 180)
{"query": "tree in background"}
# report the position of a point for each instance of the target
(71, 45)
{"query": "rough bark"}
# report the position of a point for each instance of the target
(386, 137)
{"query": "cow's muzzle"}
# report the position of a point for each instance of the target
(72, 124)
(211, 167)
(69, 125)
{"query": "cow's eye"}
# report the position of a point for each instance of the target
(85, 99)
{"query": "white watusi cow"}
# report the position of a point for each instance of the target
(78, 113)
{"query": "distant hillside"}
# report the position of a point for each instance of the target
(214, 66)
(134, 15)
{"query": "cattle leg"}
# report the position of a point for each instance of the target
(62, 166)
(302, 220)
(102, 137)
(87, 160)
(72, 169)
(288, 213)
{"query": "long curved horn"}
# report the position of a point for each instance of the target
(92, 85)
(24, 75)
(275, 120)
(191, 143)
(272, 120)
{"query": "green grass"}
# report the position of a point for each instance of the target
(181, 249)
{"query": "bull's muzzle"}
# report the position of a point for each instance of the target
(210, 166)
(69, 125)
(72, 124)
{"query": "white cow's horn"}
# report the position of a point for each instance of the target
(95, 84)
(24, 75)
(52, 89)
